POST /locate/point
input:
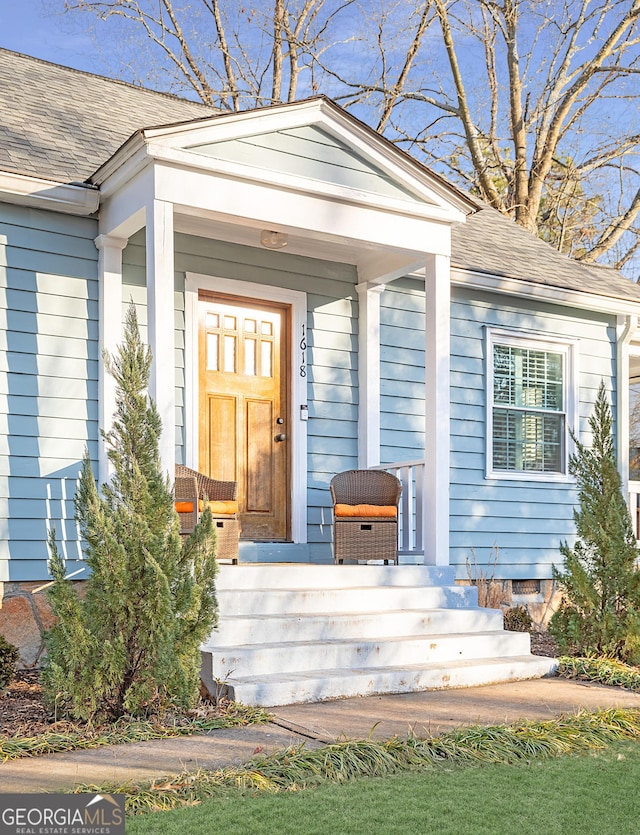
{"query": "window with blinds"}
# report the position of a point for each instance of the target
(528, 410)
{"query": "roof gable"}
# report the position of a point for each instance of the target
(306, 145)
(312, 153)
(62, 125)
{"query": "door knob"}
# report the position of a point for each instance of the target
(280, 437)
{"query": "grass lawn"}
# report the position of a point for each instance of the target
(596, 792)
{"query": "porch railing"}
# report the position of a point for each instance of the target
(410, 521)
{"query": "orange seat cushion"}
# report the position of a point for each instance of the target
(217, 508)
(384, 511)
(184, 507)
(223, 508)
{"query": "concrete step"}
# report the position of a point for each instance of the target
(355, 653)
(311, 686)
(294, 633)
(296, 575)
(252, 600)
(235, 630)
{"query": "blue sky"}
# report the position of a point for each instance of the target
(40, 29)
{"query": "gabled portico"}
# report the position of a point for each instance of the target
(310, 176)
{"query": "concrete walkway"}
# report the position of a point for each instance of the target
(431, 712)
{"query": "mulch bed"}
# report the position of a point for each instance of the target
(543, 644)
(22, 709)
(23, 712)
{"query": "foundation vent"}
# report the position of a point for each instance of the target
(525, 587)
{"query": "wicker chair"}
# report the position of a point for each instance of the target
(192, 491)
(365, 511)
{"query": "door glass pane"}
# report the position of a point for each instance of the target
(250, 325)
(266, 328)
(230, 322)
(213, 320)
(250, 356)
(266, 368)
(230, 354)
(212, 351)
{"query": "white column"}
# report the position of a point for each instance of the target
(160, 313)
(110, 334)
(437, 410)
(369, 374)
(626, 329)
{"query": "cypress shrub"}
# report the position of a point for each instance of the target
(8, 658)
(600, 613)
(130, 644)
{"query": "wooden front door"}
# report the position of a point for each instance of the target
(244, 409)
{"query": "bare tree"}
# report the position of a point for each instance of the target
(232, 55)
(532, 104)
(589, 51)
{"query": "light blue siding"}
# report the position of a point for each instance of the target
(402, 375)
(49, 370)
(311, 153)
(525, 520)
(48, 381)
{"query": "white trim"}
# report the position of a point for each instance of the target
(627, 326)
(176, 144)
(369, 374)
(160, 272)
(568, 348)
(47, 194)
(298, 302)
(119, 170)
(334, 120)
(301, 215)
(437, 439)
(303, 185)
(110, 334)
(385, 266)
(522, 288)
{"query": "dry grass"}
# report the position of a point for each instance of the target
(491, 592)
(66, 736)
(603, 670)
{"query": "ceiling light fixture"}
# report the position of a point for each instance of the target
(271, 239)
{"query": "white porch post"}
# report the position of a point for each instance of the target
(369, 374)
(626, 329)
(110, 334)
(437, 410)
(160, 312)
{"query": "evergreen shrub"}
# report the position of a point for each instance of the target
(9, 655)
(131, 644)
(600, 612)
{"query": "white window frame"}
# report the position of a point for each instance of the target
(568, 349)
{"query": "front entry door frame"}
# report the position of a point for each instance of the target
(297, 300)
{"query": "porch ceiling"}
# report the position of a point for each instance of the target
(316, 245)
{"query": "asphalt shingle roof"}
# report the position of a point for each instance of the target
(493, 244)
(62, 124)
